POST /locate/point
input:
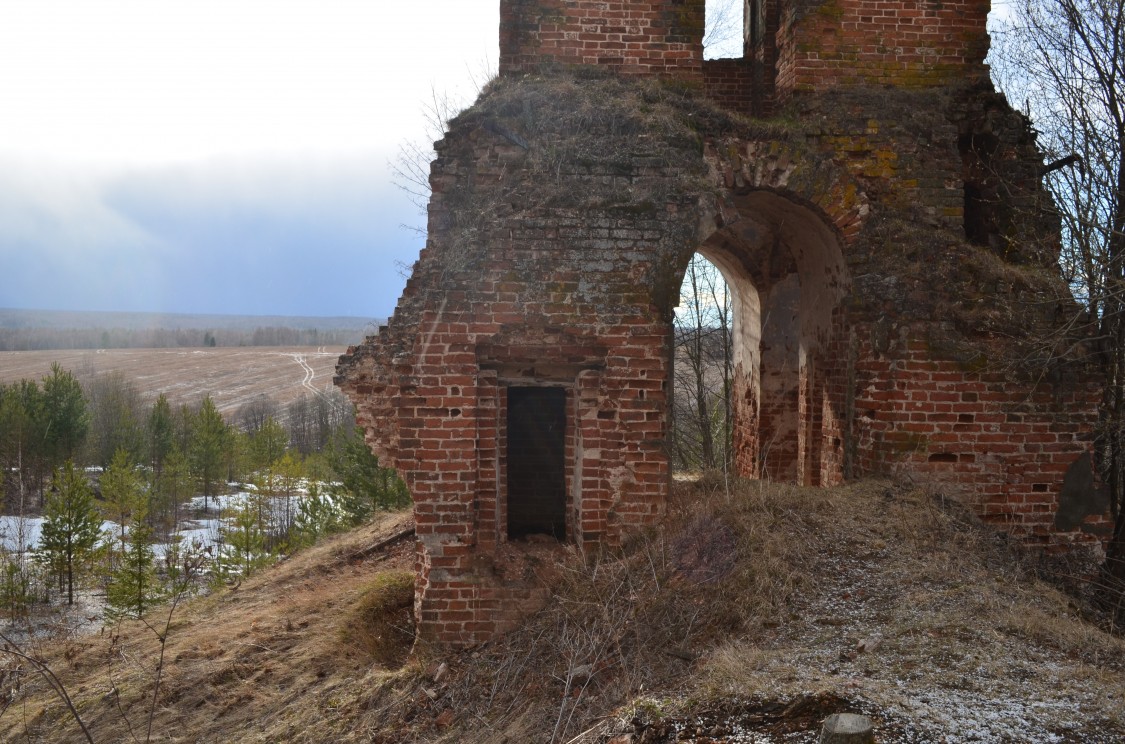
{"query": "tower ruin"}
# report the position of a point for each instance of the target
(875, 208)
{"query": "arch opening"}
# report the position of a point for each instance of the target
(783, 280)
(704, 359)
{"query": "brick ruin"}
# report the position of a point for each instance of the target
(875, 208)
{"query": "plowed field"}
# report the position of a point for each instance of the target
(232, 376)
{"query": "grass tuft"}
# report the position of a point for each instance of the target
(382, 623)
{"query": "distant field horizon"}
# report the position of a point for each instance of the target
(50, 318)
(232, 376)
(33, 330)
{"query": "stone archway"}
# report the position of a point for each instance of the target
(784, 268)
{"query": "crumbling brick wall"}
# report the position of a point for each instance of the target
(884, 238)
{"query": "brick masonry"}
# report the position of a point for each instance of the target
(874, 207)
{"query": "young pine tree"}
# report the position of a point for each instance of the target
(134, 586)
(71, 526)
(316, 517)
(123, 494)
(363, 486)
(244, 539)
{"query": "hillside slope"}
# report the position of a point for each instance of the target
(748, 618)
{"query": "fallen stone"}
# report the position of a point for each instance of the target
(847, 728)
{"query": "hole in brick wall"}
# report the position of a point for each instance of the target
(981, 197)
(969, 397)
(607, 415)
(976, 221)
(943, 457)
(701, 369)
(1039, 487)
(723, 30)
(454, 412)
(965, 418)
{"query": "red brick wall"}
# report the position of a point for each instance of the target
(914, 43)
(805, 45)
(629, 36)
(567, 277)
(731, 83)
(1006, 443)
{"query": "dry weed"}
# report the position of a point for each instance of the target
(381, 624)
(884, 597)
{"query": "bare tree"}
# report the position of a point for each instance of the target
(701, 419)
(410, 169)
(253, 414)
(722, 34)
(1064, 61)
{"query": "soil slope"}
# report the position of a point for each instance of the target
(749, 617)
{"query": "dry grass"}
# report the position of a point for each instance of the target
(918, 614)
(755, 611)
(382, 623)
(263, 662)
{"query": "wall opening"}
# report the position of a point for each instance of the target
(724, 29)
(703, 368)
(536, 462)
(981, 187)
(783, 276)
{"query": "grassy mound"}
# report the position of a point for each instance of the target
(748, 616)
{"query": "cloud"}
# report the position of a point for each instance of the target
(56, 234)
(219, 157)
(301, 236)
(141, 82)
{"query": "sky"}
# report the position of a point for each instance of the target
(227, 156)
(223, 156)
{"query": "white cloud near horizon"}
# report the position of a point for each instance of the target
(140, 138)
(231, 235)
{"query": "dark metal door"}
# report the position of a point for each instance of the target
(536, 456)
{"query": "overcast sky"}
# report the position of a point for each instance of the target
(224, 156)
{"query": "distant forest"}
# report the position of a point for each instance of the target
(38, 330)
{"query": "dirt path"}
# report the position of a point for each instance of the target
(310, 373)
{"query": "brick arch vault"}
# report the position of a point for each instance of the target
(873, 337)
(785, 271)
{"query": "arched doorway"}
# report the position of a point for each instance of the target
(784, 272)
(703, 371)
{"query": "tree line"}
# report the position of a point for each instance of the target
(77, 454)
(47, 339)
